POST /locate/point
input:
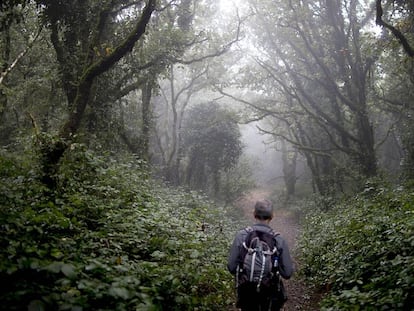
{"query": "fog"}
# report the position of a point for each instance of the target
(265, 159)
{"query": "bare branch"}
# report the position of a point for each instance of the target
(299, 146)
(217, 53)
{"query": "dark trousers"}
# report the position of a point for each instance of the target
(264, 305)
(266, 299)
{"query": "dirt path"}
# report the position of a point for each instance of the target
(300, 296)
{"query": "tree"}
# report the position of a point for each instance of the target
(394, 91)
(90, 77)
(21, 57)
(401, 7)
(289, 161)
(187, 73)
(176, 90)
(136, 76)
(79, 34)
(211, 139)
(315, 72)
(173, 41)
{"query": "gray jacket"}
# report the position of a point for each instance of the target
(285, 261)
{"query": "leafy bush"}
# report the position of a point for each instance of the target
(363, 251)
(236, 181)
(109, 238)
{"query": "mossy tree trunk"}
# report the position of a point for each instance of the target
(80, 65)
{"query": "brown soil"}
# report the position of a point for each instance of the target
(301, 297)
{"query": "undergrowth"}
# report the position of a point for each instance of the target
(108, 238)
(362, 251)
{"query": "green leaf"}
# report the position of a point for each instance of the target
(56, 253)
(195, 254)
(54, 267)
(158, 255)
(119, 292)
(69, 270)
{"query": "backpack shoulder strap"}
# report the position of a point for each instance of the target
(275, 235)
(249, 229)
(243, 250)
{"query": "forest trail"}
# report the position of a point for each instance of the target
(300, 296)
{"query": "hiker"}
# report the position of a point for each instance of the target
(259, 286)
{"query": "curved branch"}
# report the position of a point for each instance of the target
(95, 69)
(125, 47)
(398, 34)
(217, 53)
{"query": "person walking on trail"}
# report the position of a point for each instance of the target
(258, 258)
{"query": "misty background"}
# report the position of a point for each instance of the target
(320, 92)
(131, 130)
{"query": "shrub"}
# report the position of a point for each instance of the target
(363, 250)
(109, 238)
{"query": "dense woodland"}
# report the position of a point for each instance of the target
(121, 149)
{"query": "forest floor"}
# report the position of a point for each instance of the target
(301, 297)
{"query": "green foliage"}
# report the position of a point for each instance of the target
(10, 12)
(109, 238)
(212, 138)
(363, 249)
(236, 181)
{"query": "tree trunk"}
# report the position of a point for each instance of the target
(368, 158)
(5, 56)
(408, 147)
(79, 88)
(146, 119)
(289, 170)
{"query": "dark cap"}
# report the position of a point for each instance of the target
(263, 209)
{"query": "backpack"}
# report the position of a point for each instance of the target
(258, 264)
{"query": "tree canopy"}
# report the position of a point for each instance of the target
(211, 140)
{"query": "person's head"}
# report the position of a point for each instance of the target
(263, 210)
